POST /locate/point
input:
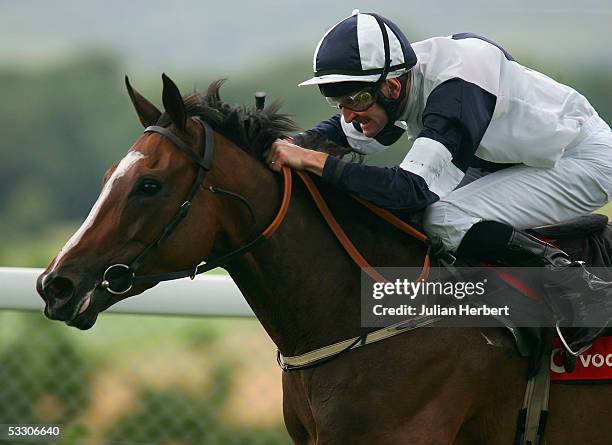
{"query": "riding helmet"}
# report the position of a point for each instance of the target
(362, 49)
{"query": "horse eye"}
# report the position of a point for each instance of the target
(147, 187)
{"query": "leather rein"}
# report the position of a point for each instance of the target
(120, 278)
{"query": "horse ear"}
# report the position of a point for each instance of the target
(147, 112)
(173, 103)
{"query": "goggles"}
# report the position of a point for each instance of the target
(360, 101)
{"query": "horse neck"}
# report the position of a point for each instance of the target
(300, 283)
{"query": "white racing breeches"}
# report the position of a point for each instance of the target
(525, 197)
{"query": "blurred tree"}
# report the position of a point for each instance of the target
(60, 129)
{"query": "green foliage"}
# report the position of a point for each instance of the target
(74, 434)
(63, 126)
(60, 128)
(201, 337)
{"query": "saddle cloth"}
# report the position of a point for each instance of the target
(594, 364)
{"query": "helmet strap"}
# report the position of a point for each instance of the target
(387, 66)
(391, 106)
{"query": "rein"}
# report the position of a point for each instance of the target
(346, 242)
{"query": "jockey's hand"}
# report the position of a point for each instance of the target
(283, 153)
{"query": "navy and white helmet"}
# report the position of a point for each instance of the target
(364, 47)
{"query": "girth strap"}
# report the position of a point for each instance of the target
(531, 422)
(326, 353)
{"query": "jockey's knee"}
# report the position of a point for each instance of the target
(447, 224)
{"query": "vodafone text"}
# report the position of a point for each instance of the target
(587, 361)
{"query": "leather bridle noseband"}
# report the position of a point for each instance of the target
(126, 274)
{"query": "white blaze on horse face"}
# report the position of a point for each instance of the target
(124, 166)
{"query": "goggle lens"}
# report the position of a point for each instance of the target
(359, 101)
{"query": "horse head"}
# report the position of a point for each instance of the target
(157, 211)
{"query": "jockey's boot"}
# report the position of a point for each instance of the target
(527, 250)
(589, 297)
(567, 282)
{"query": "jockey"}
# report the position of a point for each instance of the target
(491, 147)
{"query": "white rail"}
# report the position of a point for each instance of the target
(215, 295)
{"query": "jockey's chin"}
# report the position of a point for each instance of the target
(370, 128)
(371, 121)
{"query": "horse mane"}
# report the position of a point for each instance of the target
(251, 129)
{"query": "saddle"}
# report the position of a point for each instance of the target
(576, 228)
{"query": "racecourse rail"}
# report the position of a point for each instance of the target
(213, 295)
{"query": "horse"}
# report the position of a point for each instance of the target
(434, 385)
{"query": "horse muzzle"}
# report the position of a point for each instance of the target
(62, 300)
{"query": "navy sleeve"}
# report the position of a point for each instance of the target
(390, 188)
(457, 114)
(330, 129)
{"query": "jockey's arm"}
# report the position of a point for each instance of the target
(455, 119)
(284, 153)
(391, 188)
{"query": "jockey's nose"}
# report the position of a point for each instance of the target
(348, 115)
(57, 292)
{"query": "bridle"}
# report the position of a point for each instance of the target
(120, 278)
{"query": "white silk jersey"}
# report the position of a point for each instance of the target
(470, 100)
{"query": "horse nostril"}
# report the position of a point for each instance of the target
(59, 288)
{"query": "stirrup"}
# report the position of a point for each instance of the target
(566, 345)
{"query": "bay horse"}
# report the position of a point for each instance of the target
(429, 386)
